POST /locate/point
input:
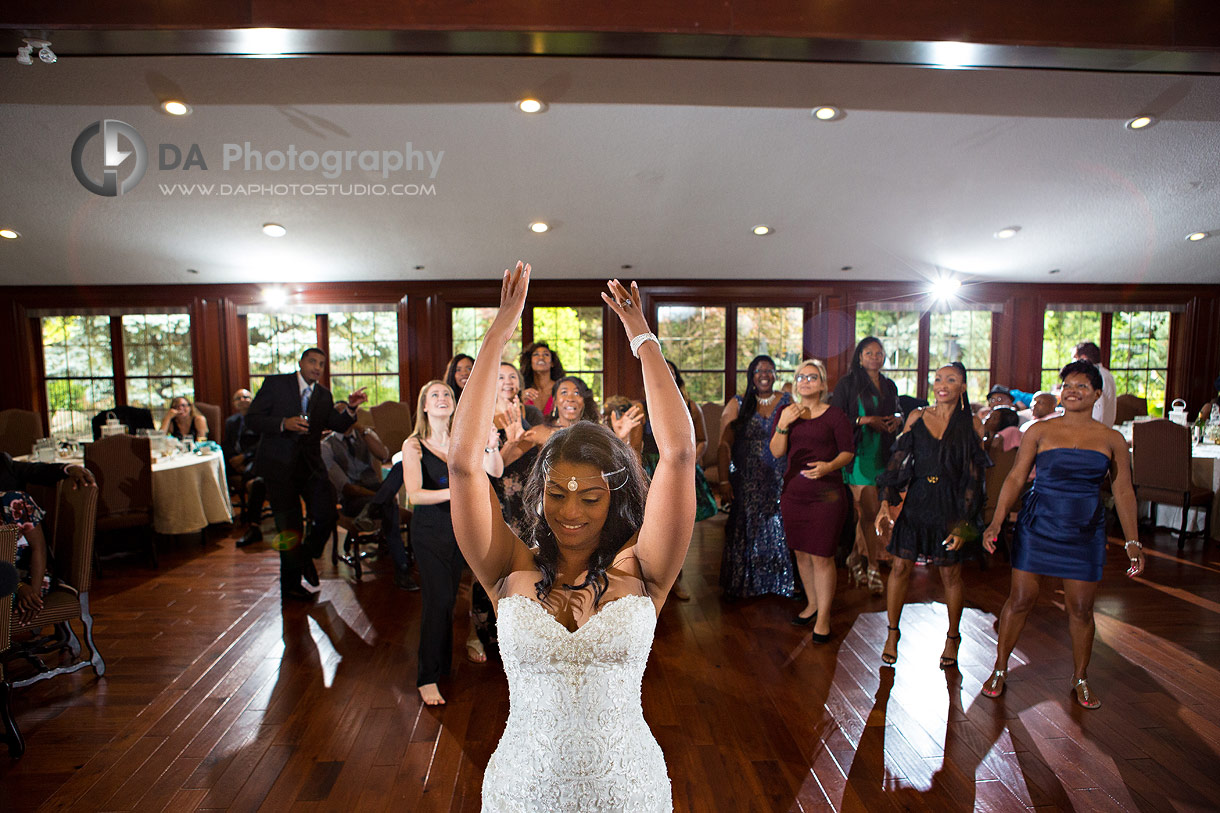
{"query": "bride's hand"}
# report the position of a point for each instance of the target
(512, 298)
(626, 304)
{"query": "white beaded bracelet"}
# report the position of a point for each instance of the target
(1135, 542)
(638, 342)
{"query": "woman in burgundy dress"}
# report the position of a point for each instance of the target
(818, 441)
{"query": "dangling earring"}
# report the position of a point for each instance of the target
(540, 508)
(962, 400)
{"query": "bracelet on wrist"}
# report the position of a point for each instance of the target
(639, 340)
(779, 431)
(1135, 542)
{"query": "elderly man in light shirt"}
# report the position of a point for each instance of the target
(1107, 404)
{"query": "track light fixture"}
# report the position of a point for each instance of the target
(25, 53)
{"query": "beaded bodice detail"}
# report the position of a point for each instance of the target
(576, 738)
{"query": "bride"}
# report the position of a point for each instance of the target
(577, 611)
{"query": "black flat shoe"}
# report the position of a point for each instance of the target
(252, 535)
(296, 593)
(818, 638)
(804, 621)
(309, 571)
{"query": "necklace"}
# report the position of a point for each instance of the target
(765, 401)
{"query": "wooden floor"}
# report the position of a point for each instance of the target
(216, 699)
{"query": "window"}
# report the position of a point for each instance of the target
(1139, 355)
(899, 334)
(576, 335)
(965, 336)
(79, 371)
(276, 341)
(693, 338)
(364, 353)
(775, 332)
(470, 326)
(1062, 330)
(157, 360)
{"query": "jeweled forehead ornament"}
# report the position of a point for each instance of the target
(573, 482)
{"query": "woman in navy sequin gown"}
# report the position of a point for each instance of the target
(1061, 530)
(756, 560)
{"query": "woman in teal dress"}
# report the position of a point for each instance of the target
(756, 560)
(871, 401)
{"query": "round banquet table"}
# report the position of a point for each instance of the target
(190, 492)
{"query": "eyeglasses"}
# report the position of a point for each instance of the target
(802, 378)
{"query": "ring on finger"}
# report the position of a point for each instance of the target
(627, 303)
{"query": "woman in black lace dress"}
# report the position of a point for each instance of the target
(938, 461)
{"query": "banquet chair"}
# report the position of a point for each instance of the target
(1161, 453)
(122, 465)
(1128, 407)
(392, 420)
(211, 414)
(19, 428)
(1002, 463)
(711, 421)
(8, 725)
(68, 600)
(132, 417)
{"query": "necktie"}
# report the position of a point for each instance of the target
(308, 391)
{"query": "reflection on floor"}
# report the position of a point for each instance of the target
(214, 698)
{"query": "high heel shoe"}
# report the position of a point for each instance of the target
(856, 569)
(1084, 698)
(875, 585)
(945, 661)
(886, 657)
(994, 687)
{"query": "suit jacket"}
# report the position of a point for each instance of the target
(281, 451)
(15, 475)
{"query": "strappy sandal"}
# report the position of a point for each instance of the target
(857, 569)
(945, 661)
(1083, 697)
(994, 687)
(475, 653)
(875, 584)
(886, 657)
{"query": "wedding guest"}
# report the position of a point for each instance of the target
(817, 440)
(542, 370)
(183, 421)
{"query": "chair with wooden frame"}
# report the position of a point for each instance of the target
(711, 423)
(71, 550)
(1128, 407)
(1161, 457)
(211, 414)
(392, 420)
(19, 428)
(122, 465)
(993, 480)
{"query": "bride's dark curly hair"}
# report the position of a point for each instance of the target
(587, 442)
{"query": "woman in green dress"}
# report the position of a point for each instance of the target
(871, 401)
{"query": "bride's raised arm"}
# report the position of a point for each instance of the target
(669, 513)
(488, 544)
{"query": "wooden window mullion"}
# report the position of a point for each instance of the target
(118, 361)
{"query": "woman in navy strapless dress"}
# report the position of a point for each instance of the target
(1061, 530)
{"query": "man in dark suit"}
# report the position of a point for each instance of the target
(240, 445)
(289, 412)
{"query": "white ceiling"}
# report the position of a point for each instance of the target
(663, 165)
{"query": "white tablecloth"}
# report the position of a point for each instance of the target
(190, 492)
(1204, 471)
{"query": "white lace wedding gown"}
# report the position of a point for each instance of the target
(576, 739)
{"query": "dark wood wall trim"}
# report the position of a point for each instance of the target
(219, 336)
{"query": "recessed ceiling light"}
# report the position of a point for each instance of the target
(945, 287)
(538, 227)
(531, 106)
(845, 268)
(1054, 271)
(9, 234)
(274, 230)
(1194, 238)
(275, 297)
(763, 231)
(1140, 122)
(1007, 233)
(192, 271)
(827, 113)
(176, 108)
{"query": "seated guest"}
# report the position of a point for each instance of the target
(239, 444)
(1001, 430)
(18, 508)
(183, 421)
(353, 463)
(1000, 396)
(1045, 405)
